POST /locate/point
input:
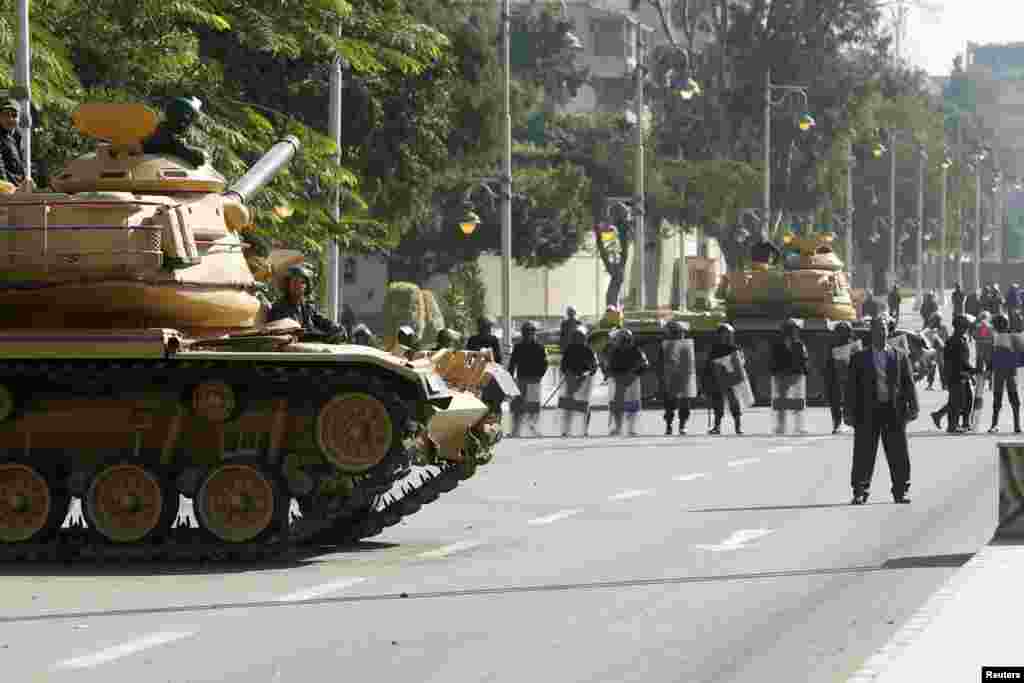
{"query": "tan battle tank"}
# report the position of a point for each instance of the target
(817, 289)
(134, 367)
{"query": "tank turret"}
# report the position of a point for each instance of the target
(131, 238)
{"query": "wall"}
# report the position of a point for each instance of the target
(542, 293)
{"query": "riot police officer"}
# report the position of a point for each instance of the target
(676, 365)
(528, 364)
(724, 345)
(626, 364)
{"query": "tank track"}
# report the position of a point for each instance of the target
(363, 514)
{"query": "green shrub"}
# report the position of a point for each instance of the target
(433, 318)
(403, 303)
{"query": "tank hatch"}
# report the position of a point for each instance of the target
(119, 164)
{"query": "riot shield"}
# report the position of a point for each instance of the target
(731, 375)
(789, 392)
(680, 368)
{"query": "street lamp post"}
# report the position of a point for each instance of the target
(892, 211)
(922, 160)
(977, 222)
(506, 179)
(848, 237)
(334, 274)
(946, 163)
(806, 122)
(640, 241)
(23, 79)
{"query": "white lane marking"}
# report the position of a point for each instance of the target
(689, 477)
(561, 514)
(123, 650)
(780, 449)
(738, 539)
(741, 462)
(321, 590)
(632, 493)
(445, 551)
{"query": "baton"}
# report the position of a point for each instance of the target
(552, 395)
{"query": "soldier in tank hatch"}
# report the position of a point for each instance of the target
(528, 364)
(11, 155)
(295, 307)
(170, 136)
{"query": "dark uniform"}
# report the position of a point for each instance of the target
(13, 170)
(958, 368)
(1004, 375)
(306, 315)
(579, 363)
(958, 299)
(894, 301)
(837, 373)
(789, 366)
(721, 348)
(626, 363)
(882, 398)
(485, 339)
(528, 364)
(676, 374)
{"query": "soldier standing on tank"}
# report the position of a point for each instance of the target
(485, 339)
(837, 372)
(789, 369)
(1004, 374)
(13, 170)
(528, 364)
(724, 345)
(170, 136)
(578, 366)
(626, 364)
(295, 307)
(675, 374)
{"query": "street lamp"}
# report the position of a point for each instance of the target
(976, 158)
(469, 221)
(805, 123)
(944, 166)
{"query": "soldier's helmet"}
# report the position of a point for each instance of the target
(184, 110)
(843, 329)
(361, 334)
(674, 329)
(406, 335)
(529, 327)
(298, 272)
(1001, 323)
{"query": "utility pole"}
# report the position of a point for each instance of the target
(943, 233)
(892, 210)
(849, 209)
(334, 278)
(640, 241)
(23, 79)
(977, 223)
(506, 180)
(921, 160)
(766, 198)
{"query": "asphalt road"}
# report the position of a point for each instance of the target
(651, 558)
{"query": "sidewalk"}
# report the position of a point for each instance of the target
(974, 620)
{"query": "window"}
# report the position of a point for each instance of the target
(349, 272)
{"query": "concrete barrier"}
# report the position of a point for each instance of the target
(1011, 492)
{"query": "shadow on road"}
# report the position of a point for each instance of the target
(928, 561)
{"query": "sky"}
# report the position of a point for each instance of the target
(933, 39)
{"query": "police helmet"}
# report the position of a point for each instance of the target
(1001, 323)
(961, 322)
(674, 329)
(361, 330)
(529, 327)
(578, 335)
(624, 337)
(843, 329)
(484, 324)
(790, 325)
(726, 328)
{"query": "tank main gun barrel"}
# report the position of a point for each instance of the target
(264, 170)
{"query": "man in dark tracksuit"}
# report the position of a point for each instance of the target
(958, 368)
(1004, 374)
(837, 371)
(724, 346)
(528, 364)
(676, 365)
(882, 399)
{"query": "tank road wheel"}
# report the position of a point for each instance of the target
(237, 502)
(355, 431)
(129, 502)
(30, 508)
